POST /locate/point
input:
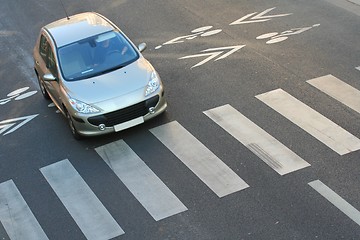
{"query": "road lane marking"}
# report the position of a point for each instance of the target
(199, 159)
(276, 37)
(11, 125)
(212, 54)
(336, 200)
(17, 95)
(358, 68)
(262, 144)
(15, 215)
(326, 131)
(339, 90)
(141, 181)
(259, 17)
(85, 208)
(201, 31)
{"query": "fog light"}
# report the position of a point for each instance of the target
(152, 110)
(102, 127)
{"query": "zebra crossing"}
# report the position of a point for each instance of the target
(96, 222)
(331, 85)
(266, 147)
(16, 216)
(200, 160)
(336, 200)
(320, 127)
(142, 182)
(73, 192)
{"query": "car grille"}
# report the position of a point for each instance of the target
(125, 114)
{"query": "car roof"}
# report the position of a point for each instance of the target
(77, 27)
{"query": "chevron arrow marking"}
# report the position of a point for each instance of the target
(215, 54)
(211, 56)
(7, 126)
(259, 17)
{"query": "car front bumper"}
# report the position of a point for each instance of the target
(120, 119)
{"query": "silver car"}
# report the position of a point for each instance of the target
(96, 76)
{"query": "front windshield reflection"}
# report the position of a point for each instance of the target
(95, 55)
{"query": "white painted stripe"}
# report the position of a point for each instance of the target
(200, 160)
(12, 123)
(16, 216)
(141, 181)
(336, 200)
(358, 68)
(85, 208)
(326, 131)
(266, 147)
(339, 90)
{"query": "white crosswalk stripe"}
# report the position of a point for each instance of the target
(16, 216)
(266, 147)
(336, 200)
(85, 208)
(148, 189)
(339, 90)
(320, 127)
(199, 159)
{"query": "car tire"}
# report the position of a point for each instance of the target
(42, 88)
(73, 130)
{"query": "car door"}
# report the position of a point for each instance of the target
(47, 63)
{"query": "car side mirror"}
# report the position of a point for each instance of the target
(49, 77)
(142, 47)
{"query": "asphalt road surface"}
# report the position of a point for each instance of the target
(260, 140)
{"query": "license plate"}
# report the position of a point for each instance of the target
(129, 124)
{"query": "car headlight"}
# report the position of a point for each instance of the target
(153, 83)
(82, 107)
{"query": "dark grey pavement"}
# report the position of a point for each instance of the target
(324, 40)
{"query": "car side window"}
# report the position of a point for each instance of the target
(50, 63)
(47, 55)
(44, 46)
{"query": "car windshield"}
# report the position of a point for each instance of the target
(95, 56)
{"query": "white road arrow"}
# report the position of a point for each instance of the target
(6, 126)
(259, 17)
(213, 54)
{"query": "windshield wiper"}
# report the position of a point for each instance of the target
(95, 74)
(111, 69)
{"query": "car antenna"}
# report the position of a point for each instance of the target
(67, 15)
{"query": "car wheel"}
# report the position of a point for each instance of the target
(74, 132)
(42, 88)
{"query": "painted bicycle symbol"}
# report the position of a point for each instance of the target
(275, 37)
(201, 31)
(18, 94)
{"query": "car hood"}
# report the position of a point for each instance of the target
(111, 85)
